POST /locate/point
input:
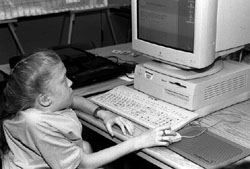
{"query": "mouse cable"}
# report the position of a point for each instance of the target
(197, 123)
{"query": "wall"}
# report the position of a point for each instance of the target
(50, 30)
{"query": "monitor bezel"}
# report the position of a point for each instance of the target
(203, 54)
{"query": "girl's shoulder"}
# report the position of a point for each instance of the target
(35, 116)
(64, 118)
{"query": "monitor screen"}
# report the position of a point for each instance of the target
(189, 33)
(167, 23)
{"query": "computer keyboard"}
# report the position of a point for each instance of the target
(144, 109)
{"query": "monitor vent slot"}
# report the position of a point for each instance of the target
(225, 87)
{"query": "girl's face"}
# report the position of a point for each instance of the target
(60, 87)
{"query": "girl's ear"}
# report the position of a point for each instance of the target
(44, 100)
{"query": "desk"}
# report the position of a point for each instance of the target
(231, 123)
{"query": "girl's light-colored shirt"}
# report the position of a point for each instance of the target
(43, 140)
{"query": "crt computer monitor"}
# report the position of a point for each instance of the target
(189, 33)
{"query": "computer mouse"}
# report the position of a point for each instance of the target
(176, 138)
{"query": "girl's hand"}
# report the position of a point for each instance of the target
(109, 119)
(157, 137)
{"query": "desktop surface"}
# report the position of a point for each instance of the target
(231, 123)
(197, 144)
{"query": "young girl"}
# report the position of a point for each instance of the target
(40, 130)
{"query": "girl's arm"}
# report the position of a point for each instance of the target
(157, 137)
(109, 119)
(83, 104)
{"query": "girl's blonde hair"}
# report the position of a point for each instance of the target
(28, 79)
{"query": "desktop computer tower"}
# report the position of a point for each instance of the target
(202, 95)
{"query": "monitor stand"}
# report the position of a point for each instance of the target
(184, 74)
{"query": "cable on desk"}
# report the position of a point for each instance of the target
(113, 58)
(198, 124)
(129, 66)
(119, 60)
(223, 114)
(237, 117)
